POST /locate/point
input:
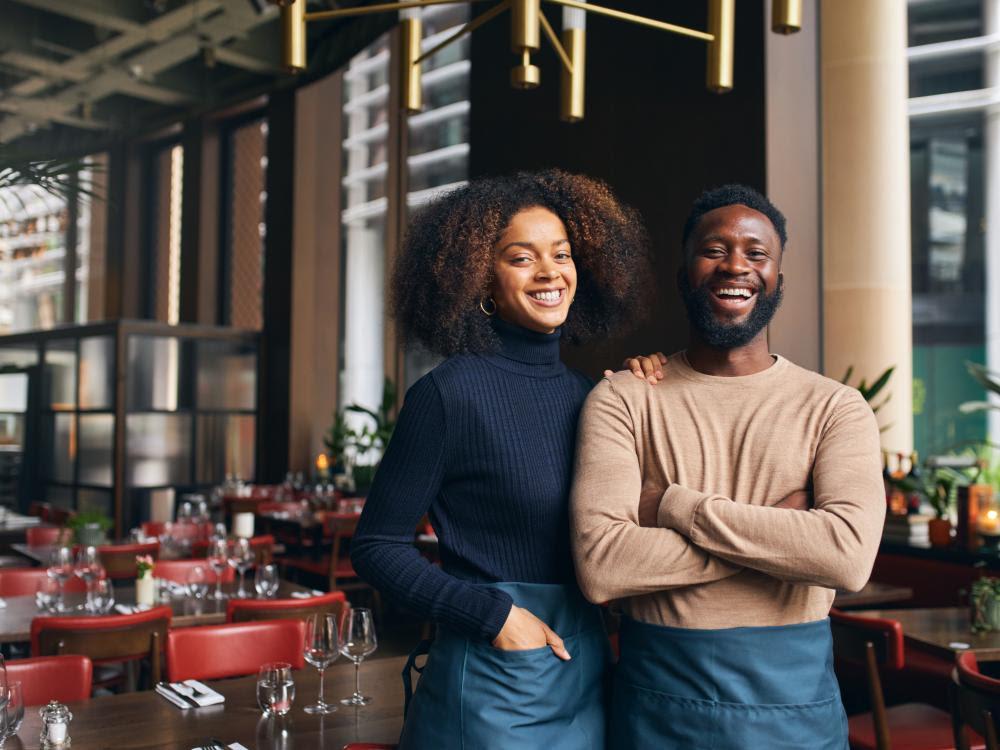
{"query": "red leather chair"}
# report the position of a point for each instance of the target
(153, 528)
(24, 581)
(976, 704)
(263, 547)
(213, 652)
(246, 610)
(43, 536)
(119, 559)
(178, 570)
(873, 642)
(105, 638)
(46, 678)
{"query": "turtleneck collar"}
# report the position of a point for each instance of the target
(525, 351)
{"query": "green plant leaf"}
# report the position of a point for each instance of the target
(847, 375)
(878, 385)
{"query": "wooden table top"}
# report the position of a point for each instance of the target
(946, 630)
(146, 721)
(872, 595)
(16, 617)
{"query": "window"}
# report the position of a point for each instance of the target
(246, 199)
(951, 159)
(164, 261)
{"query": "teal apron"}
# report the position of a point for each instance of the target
(732, 689)
(472, 696)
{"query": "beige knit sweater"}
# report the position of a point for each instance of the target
(672, 487)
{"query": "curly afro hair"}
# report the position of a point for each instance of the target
(446, 264)
(729, 195)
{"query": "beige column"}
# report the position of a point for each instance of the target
(867, 314)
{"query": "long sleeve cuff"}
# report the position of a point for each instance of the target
(497, 616)
(678, 509)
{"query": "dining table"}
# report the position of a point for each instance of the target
(944, 630)
(146, 721)
(873, 594)
(19, 611)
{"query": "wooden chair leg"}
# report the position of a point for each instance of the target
(879, 716)
(154, 657)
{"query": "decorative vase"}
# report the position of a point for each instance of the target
(90, 535)
(940, 532)
(145, 590)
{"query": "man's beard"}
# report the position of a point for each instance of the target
(724, 335)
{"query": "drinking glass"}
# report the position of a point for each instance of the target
(104, 596)
(14, 710)
(275, 688)
(88, 569)
(241, 558)
(218, 560)
(321, 649)
(60, 569)
(197, 582)
(265, 580)
(358, 642)
(46, 592)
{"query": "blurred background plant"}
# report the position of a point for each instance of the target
(351, 446)
(871, 392)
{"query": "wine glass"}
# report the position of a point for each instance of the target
(88, 569)
(265, 580)
(103, 596)
(275, 688)
(197, 582)
(60, 569)
(218, 561)
(358, 642)
(46, 591)
(241, 558)
(14, 710)
(321, 649)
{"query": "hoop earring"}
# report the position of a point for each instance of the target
(493, 307)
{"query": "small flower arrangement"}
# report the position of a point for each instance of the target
(143, 565)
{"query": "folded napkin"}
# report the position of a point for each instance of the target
(130, 609)
(306, 594)
(173, 698)
(204, 695)
(2, 603)
(232, 746)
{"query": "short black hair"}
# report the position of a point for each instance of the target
(732, 195)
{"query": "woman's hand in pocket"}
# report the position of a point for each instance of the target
(523, 631)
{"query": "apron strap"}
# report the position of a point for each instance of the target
(422, 649)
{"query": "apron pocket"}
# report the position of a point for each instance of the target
(644, 718)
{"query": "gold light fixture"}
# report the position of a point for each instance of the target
(786, 16)
(528, 24)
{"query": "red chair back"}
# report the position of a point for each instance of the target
(976, 702)
(43, 536)
(153, 528)
(213, 652)
(119, 559)
(246, 610)
(178, 570)
(52, 678)
(263, 547)
(105, 638)
(24, 581)
(340, 527)
(872, 642)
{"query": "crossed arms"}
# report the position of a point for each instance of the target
(702, 537)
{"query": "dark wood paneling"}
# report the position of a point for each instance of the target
(652, 131)
(275, 352)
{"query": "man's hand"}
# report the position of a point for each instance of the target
(523, 631)
(645, 368)
(798, 500)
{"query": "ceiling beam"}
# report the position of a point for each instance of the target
(232, 56)
(103, 14)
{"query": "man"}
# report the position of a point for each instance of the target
(723, 507)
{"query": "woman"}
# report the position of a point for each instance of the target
(493, 276)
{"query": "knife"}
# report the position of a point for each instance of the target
(189, 701)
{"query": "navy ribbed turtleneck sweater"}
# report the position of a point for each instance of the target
(484, 443)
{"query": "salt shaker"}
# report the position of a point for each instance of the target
(55, 726)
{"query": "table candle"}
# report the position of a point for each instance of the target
(243, 525)
(989, 523)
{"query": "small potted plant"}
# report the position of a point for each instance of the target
(90, 528)
(985, 604)
(145, 585)
(939, 527)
